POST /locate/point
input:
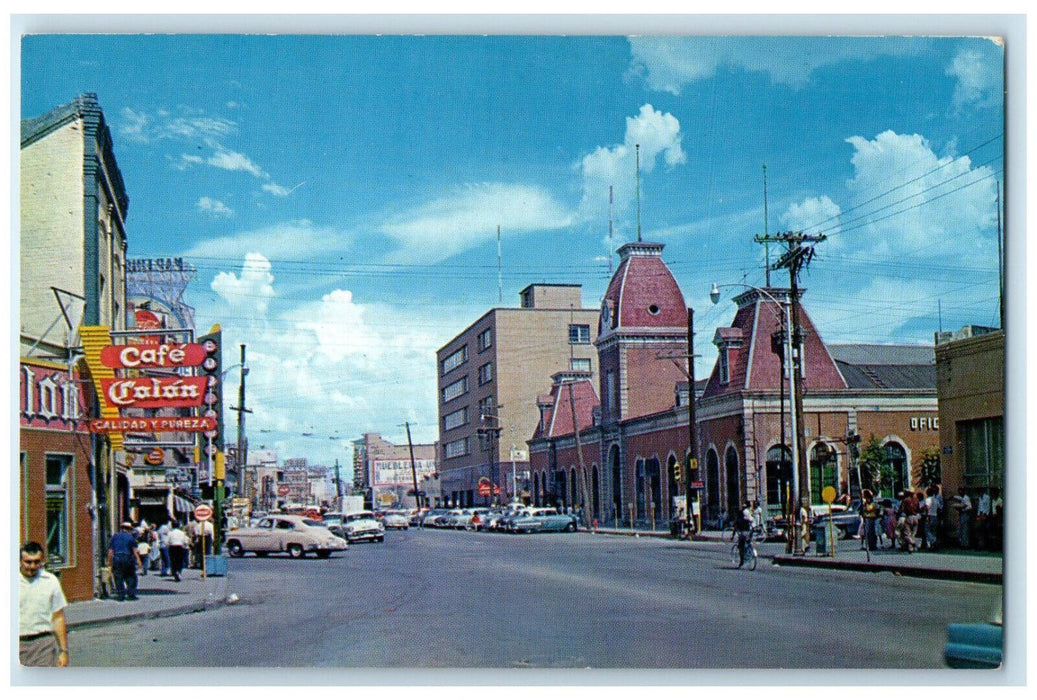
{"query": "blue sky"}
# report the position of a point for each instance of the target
(340, 195)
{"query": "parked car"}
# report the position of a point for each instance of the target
(434, 517)
(506, 521)
(293, 534)
(544, 520)
(361, 525)
(396, 520)
(847, 521)
(466, 520)
(975, 645)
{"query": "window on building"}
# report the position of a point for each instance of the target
(455, 359)
(458, 388)
(57, 507)
(984, 456)
(723, 365)
(486, 406)
(579, 333)
(580, 364)
(455, 419)
(486, 374)
(485, 339)
(455, 448)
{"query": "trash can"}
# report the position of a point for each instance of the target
(818, 533)
(215, 565)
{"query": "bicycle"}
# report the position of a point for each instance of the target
(750, 556)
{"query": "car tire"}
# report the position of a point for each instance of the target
(295, 551)
(380, 539)
(571, 527)
(235, 549)
(323, 553)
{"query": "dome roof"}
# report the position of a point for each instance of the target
(642, 293)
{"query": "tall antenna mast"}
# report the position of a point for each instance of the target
(766, 244)
(610, 231)
(500, 276)
(1000, 262)
(637, 168)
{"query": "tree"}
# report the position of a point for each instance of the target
(876, 472)
(928, 467)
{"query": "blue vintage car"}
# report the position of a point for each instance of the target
(975, 645)
(542, 520)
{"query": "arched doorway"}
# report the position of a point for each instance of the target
(654, 493)
(617, 485)
(595, 494)
(536, 488)
(712, 485)
(824, 471)
(731, 471)
(641, 509)
(896, 475)
(779, 480)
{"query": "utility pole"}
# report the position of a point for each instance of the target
(242, 454)
(413, 469)
(338, 488)
(796, 257)
(691, 474)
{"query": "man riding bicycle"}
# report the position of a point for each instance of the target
(743, 528)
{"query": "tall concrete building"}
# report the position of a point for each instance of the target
(488, 377)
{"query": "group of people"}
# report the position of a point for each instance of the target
(169, 548)
(916, 519)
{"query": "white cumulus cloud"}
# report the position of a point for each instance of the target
(214, 207)
(979, 74)
(657, 134)
(252, 288)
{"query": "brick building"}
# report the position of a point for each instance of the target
(633, 432)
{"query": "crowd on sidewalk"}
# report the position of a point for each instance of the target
(166, 550)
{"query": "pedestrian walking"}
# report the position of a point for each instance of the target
(178, 545)
(144, 550)
(124, 560)
(921, 534)
(42, 631)
(907, 523)
(870, 512)
(163, 547)
(154, 551)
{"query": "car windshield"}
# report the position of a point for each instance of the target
(358, 516)
(313, 523)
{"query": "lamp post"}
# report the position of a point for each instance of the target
(789, 332)
(491, 436)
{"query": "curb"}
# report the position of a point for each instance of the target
(184, 609)
(916, 571)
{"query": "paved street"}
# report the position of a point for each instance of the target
(441, 599)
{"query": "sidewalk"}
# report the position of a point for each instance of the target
(953, 564)
(157, 596)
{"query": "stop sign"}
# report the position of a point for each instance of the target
(283, 490)
(202, 512)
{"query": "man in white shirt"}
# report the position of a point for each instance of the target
(42, 633)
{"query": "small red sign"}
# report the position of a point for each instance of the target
(156, 457)
(149, 356)
(202, 512)
(283, 490)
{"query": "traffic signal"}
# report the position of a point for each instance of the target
(693, 469)
(677, 472)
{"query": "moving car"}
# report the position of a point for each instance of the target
(396, 520)
(361, 525)
(293, 534)
(847, 521)
(544, 520)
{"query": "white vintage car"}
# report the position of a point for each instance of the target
(294, 534)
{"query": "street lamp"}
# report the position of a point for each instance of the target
(788, 332)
